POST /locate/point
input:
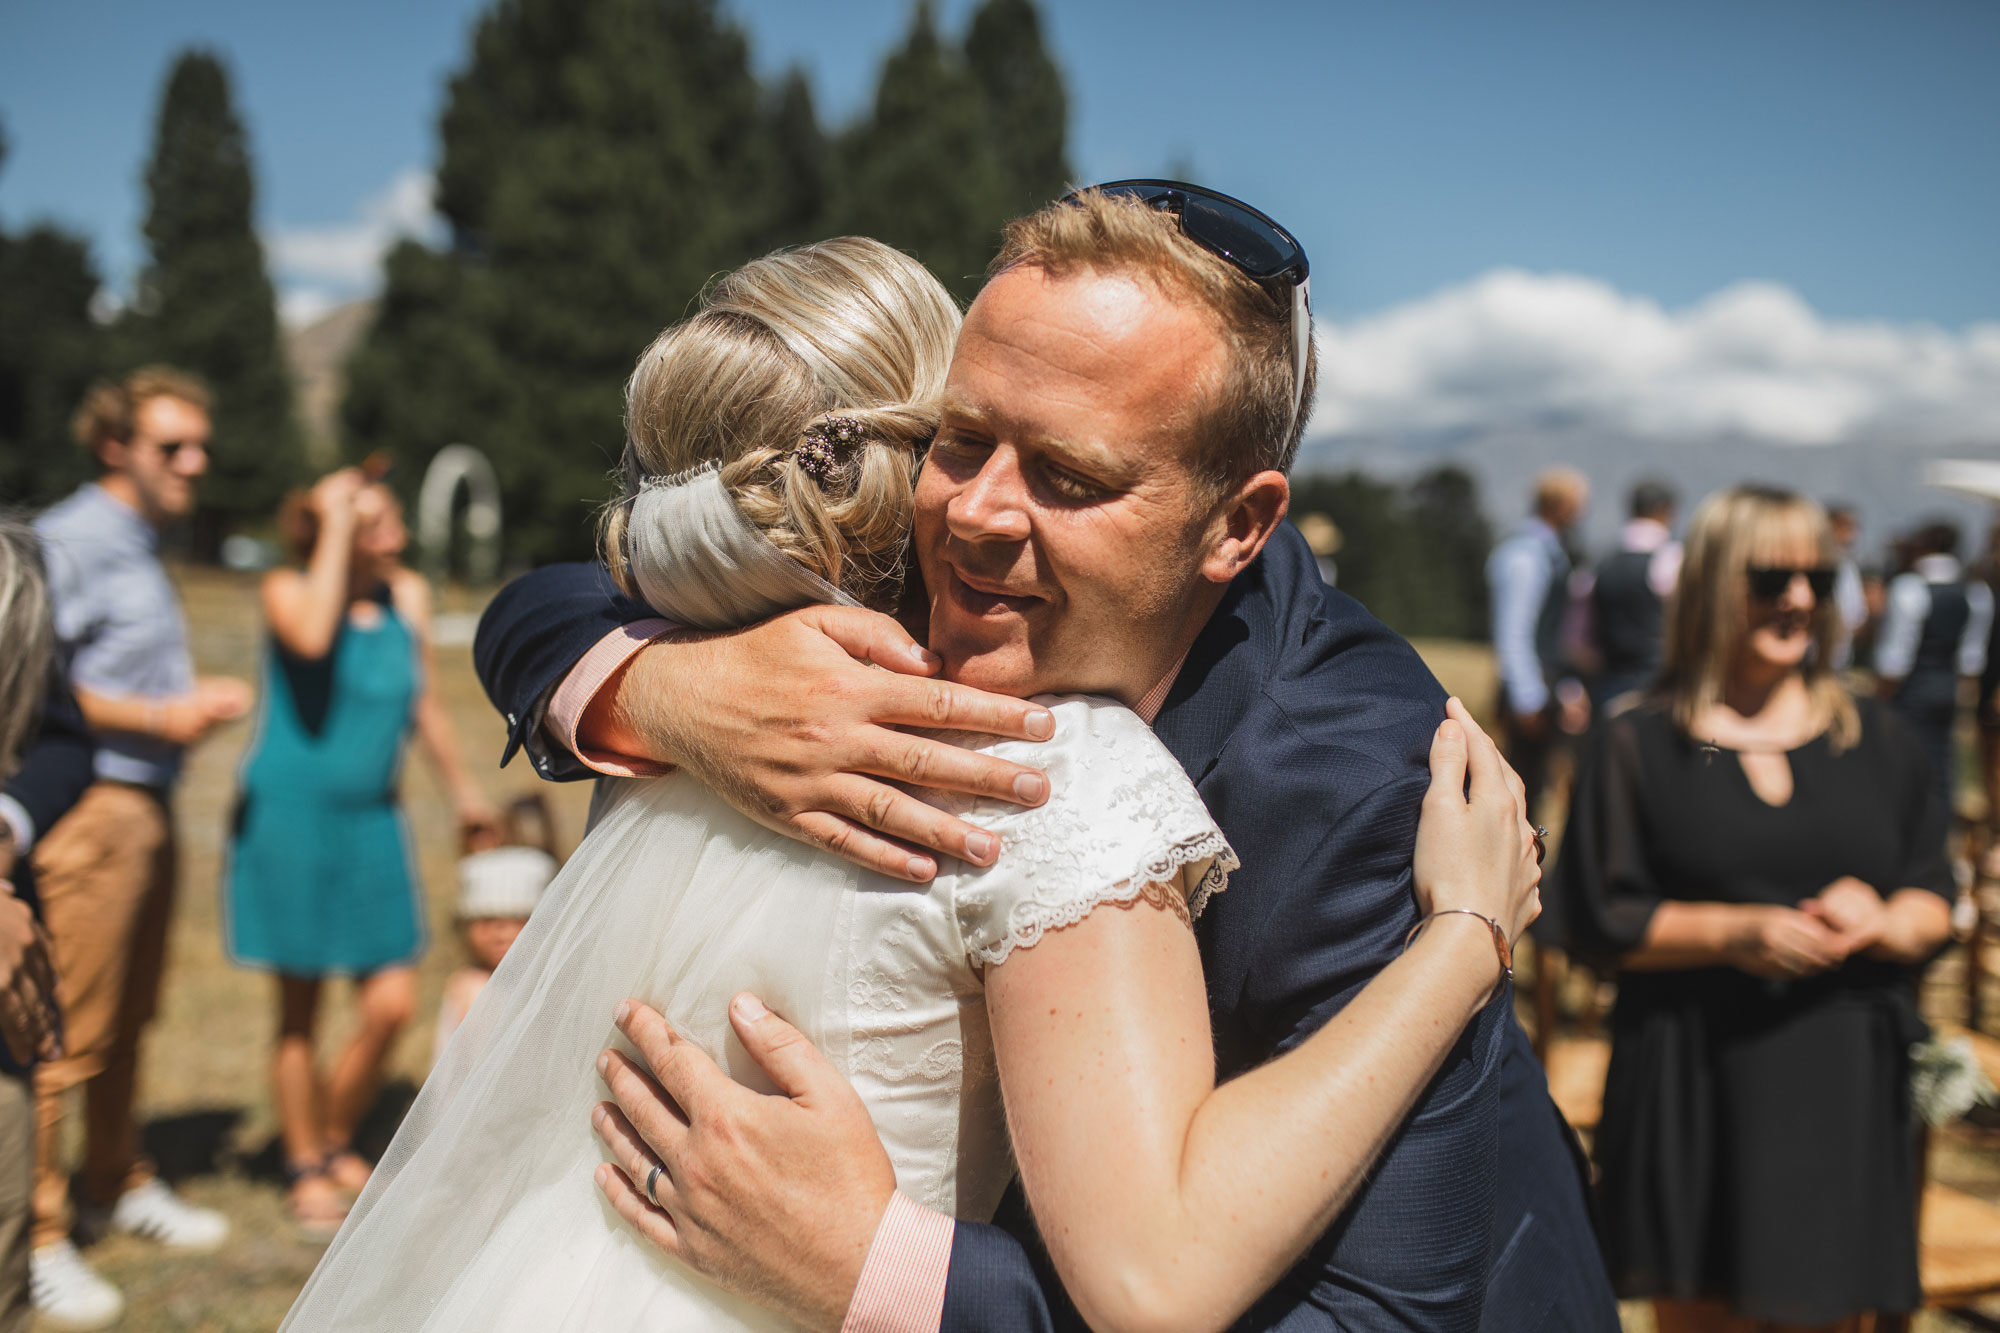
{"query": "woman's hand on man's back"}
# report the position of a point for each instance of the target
(789, 722)
(1475, 848)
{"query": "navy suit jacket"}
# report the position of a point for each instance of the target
(55, 770)
(1306, 726)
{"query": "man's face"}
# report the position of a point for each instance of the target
(1061, 533)
(168, 451)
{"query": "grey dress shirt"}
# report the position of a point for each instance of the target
(118, 622)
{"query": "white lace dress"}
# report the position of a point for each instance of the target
(484, 1215)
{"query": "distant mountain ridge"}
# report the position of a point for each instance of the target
(316, 353)
(1882, 479)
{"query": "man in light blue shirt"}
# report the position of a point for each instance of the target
(1528, 579)
(106, 869)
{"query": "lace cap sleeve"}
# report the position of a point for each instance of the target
(1121, 815)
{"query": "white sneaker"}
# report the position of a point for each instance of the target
(157, 1213)
(67, 1292)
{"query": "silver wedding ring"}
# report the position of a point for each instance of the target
(652, 1179)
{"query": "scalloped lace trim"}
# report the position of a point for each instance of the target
(1032, 918)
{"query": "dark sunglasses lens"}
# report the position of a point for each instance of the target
(1244, 240)
(1768, 585)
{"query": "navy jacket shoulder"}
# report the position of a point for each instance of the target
(533, 632)
(56, 766)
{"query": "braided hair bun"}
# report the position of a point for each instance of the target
(812, 377)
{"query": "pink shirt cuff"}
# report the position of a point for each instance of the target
(585, 679)
(902, 1283)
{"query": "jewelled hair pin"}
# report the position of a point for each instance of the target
(823, 442)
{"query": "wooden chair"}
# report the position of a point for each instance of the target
(1958, 1235)
(1575, 1063)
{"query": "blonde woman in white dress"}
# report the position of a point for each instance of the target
(772, 443)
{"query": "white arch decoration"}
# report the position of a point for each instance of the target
(455, 465)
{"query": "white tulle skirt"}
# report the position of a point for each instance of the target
(483, 1216)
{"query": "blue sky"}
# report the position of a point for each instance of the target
(1845, 151)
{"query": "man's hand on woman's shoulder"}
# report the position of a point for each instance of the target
(792, 724)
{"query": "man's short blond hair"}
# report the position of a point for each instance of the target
(1560, 487)
(111, 408)
(1242, 428)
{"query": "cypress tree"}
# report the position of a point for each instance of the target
(1027, 109)
(922, 173)
(50, 348)
(601, 160)
(798, 210)
(205, 304)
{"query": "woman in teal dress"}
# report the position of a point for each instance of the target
(321, 878)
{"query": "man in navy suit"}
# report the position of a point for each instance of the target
(1304, 723)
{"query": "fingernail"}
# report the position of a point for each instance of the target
(603, 1175)
(597, 1115)
(604, 1062)
(982, 847)
(750, 1009)
(1030, 788)
(921, 867)
(1041, 724)
(924, 656)
(622, 1012)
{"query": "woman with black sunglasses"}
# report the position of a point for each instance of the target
(1761, 858)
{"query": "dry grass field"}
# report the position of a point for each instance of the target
(204, 1092)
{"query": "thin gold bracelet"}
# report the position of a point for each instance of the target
(1500, 945)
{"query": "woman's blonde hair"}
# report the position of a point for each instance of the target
(1709, 615)
(846, 328)
(27, 632)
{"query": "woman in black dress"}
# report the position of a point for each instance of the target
(1761, 857)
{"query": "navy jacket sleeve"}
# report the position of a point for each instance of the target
(1001, 1277)
(56, 765)
(532, 633)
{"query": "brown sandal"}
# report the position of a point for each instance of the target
(347, 1169)
(315, 1201)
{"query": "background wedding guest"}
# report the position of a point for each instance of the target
(1528, 575)
(321, 877)
(1934, 631)
(1763, 859)
(106, 870)
(1628, 598)
(1986, 708)
(41, 729)
(1850, 596)
(498, 889)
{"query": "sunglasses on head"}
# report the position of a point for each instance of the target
(1768, 582)
(1259, 247)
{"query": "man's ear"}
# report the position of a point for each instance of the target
(1243, 522)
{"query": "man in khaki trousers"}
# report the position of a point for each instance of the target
(106, 870)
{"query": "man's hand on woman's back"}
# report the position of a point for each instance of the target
(790, 722)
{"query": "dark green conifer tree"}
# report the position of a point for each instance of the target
(922, 172)
(204, 302)
(1027, 109)
(801, 168)
(602, 159)
(50, 348)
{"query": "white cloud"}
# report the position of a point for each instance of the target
(300, 306)
(319, 266)
(1753, 360)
